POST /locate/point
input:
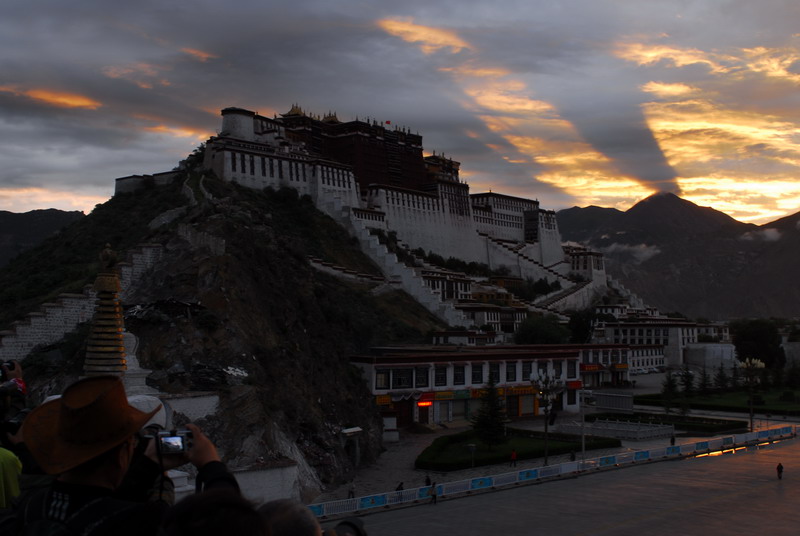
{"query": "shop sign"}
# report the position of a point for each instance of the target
(462, 394)
(444, 395)
(383, 400)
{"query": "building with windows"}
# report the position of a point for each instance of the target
(672, 334)
(432, 385)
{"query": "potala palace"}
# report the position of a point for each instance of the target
(368, 176)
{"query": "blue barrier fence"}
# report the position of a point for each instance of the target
(528, 476)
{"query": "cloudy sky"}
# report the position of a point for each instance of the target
(574, 102)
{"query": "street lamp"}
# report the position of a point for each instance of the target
(548, 387)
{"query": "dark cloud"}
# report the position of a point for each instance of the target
(137, 61)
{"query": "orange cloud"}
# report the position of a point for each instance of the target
(199, 54)
(667, 90)
(774, 63)
(25, 199)
(143, 75)
(644, 54)
(54, 98)
(430, 39)
(179, 132)
(476, 72)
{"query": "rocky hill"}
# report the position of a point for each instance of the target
(22, 231)
(252, 319)
(681, 257)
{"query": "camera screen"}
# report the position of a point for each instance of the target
(172, 444)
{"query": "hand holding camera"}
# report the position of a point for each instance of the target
(10, 370)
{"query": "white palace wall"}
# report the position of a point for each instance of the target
(424, 221)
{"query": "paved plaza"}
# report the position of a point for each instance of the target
(735, 493)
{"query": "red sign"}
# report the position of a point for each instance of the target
(424, 403)
(577, 384)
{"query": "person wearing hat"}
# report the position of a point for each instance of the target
(87, 438)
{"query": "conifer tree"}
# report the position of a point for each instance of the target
(489, 421)
(705, 382)
(721, 378)
(687, 380)
(669, 391)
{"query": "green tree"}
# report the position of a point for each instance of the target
(687, 380)
(541, 330)
(669, 392)
(580, 325)
(489, 421)
(793, 376)
(704, 386)
(736, 377)
(721, 379)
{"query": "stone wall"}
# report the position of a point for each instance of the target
(54, 320)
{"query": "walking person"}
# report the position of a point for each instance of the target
(779, 470)
(351, 492)
(513, 462)
(432, 493)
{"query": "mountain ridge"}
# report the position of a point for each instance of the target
(696, 260)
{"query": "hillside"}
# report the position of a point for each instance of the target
(681, 257)
(261, 310)
(20, 232)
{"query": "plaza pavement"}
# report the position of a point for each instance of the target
(640, 502)
(730, 494)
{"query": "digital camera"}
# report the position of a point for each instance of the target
(10, 365)
(175, 441)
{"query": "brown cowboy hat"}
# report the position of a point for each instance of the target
(91, 417)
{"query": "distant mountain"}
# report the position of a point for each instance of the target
(22, 231)
(679, 256)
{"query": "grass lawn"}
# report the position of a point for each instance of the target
(526, 447)
(452, 452)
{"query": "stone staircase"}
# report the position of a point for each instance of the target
(514, 250)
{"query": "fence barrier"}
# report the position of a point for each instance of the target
(361, 505)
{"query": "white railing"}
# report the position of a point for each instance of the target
(361, 505)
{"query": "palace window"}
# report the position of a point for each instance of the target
(440, 376)
(252, 165)
(244, 166)
(572, 368)
(494, 372)
(403, 378)
(233, 161)
(477, 374)
(511, 371)
(263, 167)
(382, 379)
(459, 377)
(421, 376)
(527, 368)
(271, 168)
